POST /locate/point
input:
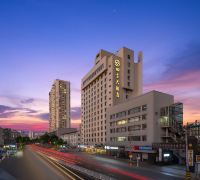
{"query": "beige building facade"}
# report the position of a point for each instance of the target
(137, 121)
(71, 136)
(114, 78)
(59, 105)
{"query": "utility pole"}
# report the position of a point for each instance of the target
(186, 149)
(187, 173)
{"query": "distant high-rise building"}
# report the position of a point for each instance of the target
(113, 79)
(59, 105)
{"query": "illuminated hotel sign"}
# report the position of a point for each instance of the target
(117, 81)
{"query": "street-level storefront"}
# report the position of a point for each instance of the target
(92, 149)
(144, 153)
(118, 151)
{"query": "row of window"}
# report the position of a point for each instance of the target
(130, 111)
(94, 129)
(94, 140)
(129, 128)
(94, 134)
(94, 73)
(129, 120)
(129, 138)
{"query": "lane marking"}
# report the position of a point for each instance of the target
(50, 161)
(58, 164)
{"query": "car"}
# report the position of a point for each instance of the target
(11, 152)
(2, 154)
(62, 150)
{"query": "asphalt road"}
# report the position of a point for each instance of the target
(28, 166)
(31, 166)
(122, 170)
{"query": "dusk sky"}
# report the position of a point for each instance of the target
(42, 40)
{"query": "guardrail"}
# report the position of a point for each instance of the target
(88, 172)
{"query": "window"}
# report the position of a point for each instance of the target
(144, 107)
(121, 114)
(122, 122)
(134, 128)
(122, 129)
(144, 126)
(144, 117)
(128, 83)
(112, 124)
(134, 119)
(144, 138)
(121, 138)
(112, 116)
(134, 110)
(133, 138)
(129, 57)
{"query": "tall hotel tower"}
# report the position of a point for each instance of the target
(113, 79)
(59, 105)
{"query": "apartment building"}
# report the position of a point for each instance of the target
(59, 105)
(113, 79)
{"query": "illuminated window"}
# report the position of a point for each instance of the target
(144, 107)
(122, 122)
(121, 138)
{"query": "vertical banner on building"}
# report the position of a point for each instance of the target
(117, 77)
(190, 157)
(160, 154)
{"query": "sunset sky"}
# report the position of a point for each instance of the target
(42, 40)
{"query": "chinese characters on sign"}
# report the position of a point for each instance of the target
(190, 157)
(117, 72)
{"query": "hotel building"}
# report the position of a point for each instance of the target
(59, 105)
(113, 79)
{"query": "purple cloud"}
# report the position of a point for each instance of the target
(27, 101)
(76, 113)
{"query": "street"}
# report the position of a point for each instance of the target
(118, 167)
(114, 168)
(38, 163)
(29, 166)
